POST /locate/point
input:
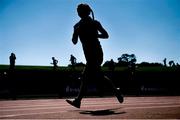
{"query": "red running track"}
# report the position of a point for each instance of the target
(164, 107)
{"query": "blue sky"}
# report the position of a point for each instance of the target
(36, 30)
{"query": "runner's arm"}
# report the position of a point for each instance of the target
(103, 32)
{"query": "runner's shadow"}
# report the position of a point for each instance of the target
(102, 112)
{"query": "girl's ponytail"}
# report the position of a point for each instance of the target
(92, 14)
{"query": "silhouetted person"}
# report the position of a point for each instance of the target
(12, 59)
(112, 65)
(55, 62)
(73, 60)
(171, 63)
(177, 64)
(11, 76)
(88, 31)
(164, 61)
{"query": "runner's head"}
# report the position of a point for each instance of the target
(84, 10)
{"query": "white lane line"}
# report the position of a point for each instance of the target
(16, 115)
(84, 103)
(56, 107)
(51, 106)
(65, 110)
(19, 103)
(31, 106)
(149, 107)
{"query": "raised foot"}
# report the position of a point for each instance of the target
(119, 95)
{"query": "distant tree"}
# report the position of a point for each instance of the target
(132, 58)
(126, 59)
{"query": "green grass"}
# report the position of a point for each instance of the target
(40, 68)
(64, 68)
(156, 69)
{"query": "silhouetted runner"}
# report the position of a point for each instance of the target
(73, 60)
(54, 63)
(88, 31)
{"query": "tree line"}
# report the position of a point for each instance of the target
(130, 60)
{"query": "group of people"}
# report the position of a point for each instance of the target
(171, 63)
(12, 60)
(55, 61)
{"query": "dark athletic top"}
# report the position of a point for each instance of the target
(87, 31)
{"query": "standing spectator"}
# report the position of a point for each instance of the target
(11, 77)
(164, 61)
(12, 59)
